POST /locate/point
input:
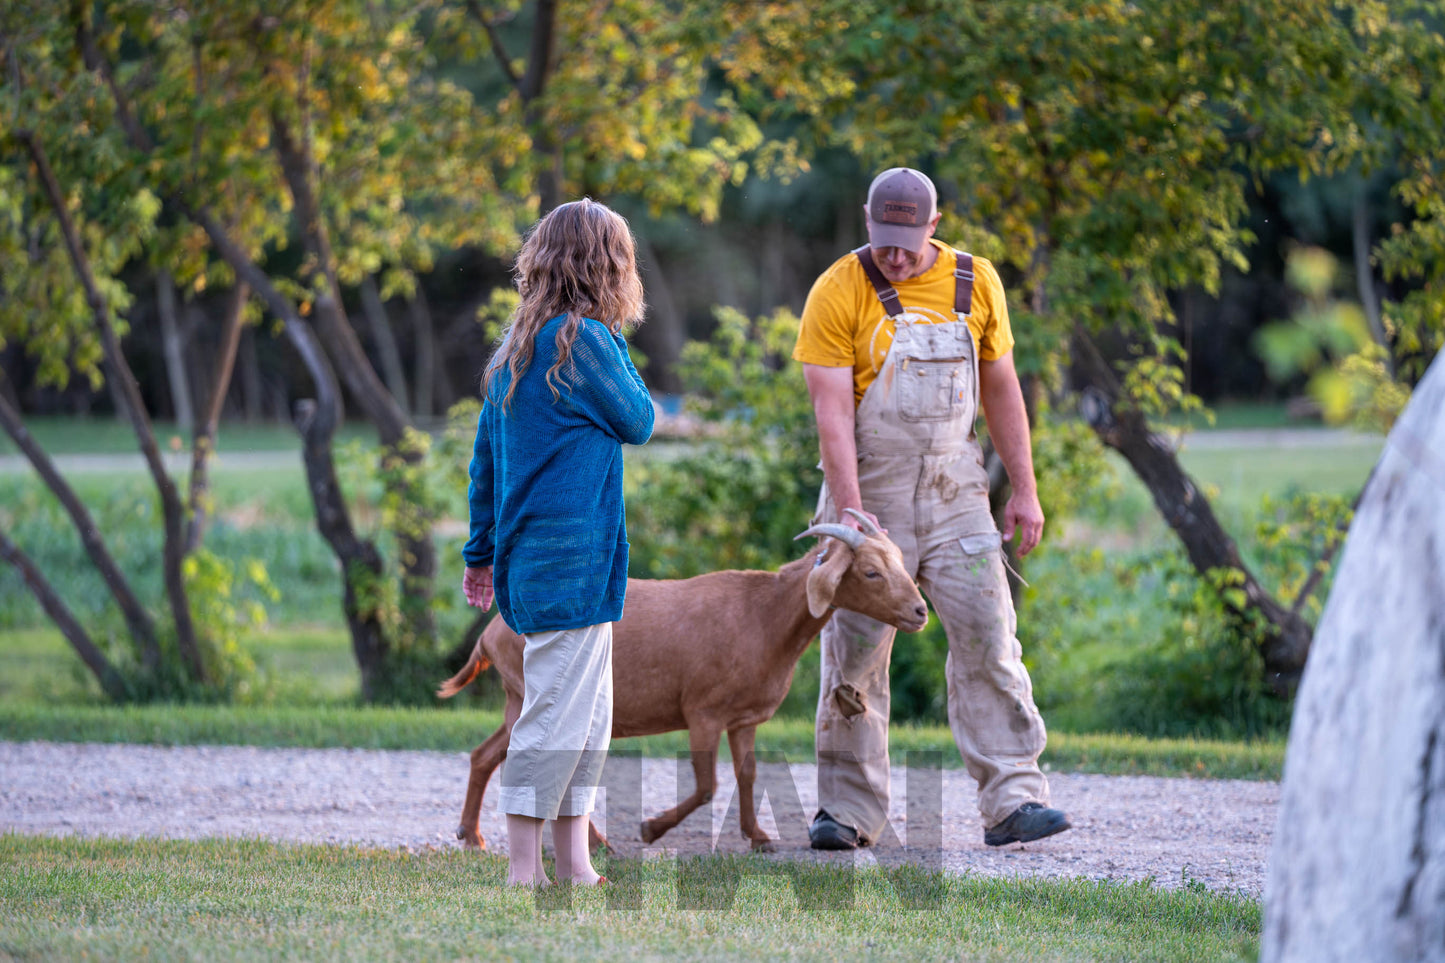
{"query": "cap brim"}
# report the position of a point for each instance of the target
(898, 235)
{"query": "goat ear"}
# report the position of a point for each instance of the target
(824, 578)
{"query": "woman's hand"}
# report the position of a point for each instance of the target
(477, 586)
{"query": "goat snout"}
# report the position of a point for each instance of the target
(916, 619)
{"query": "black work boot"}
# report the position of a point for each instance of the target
(827, 833)
(1028, 822)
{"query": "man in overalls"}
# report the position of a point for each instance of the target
(901, 341)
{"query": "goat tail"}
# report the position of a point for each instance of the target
(475, 666)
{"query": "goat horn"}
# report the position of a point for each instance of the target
(848, 536)
(864, 522)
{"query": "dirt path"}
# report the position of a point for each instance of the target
(1171, 831)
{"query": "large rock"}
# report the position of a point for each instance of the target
(1357, 871)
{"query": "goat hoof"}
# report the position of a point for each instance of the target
(764, 846)
(647, 833)
(472, 839)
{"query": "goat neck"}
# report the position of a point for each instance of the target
(788, 610)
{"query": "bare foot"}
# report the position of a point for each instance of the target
(540, 881)
(590, 878)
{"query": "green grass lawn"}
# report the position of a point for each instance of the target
(1252, 473)
(73, 899)
(1236, 479)
(1246, 414)
(302, 665)
(65, 435)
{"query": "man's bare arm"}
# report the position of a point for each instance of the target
(832, 392)
(1008, 426)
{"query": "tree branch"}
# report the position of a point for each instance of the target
(539, 60)
(136, 617)
(203, 442)
(90, 56)
(498, 51)
(356, 369)
(111, 681)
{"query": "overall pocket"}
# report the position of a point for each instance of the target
(934, 390)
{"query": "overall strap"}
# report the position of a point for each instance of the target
(962, 283)
(962, 288)
(891, 305)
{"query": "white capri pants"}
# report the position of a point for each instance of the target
(559, 742)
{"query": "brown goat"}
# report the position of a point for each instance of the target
(710, 654)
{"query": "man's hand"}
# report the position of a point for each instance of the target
(477, 587)
(852, 522)
(1024, 513)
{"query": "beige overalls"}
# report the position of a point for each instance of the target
(920, 471)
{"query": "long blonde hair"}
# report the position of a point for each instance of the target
(579, 261)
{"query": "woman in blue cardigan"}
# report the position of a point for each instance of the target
(561, 397)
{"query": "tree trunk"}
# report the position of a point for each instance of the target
(416, 551)
(378, 325)
(111, 682)
(430, 358)
(316, 420)
(7, 378)
(1357, 869)
(541, 55)
(424, 339)
(128, 394)
(204, 442)
(662, 337)
(195, 320)
(137, 620)
(1364, 273)
(253, 396)
(361, 564)
(1282, 636)
(253, 399)
(174, 349)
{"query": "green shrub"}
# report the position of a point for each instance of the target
(737, 496)
(1138, 643)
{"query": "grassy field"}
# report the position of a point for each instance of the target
(66, 435)
(1236, 477)
(73, 899)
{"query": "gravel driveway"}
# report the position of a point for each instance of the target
(1171, 831)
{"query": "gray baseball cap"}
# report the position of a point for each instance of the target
(901, 203)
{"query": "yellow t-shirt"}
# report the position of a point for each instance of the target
(844, 324)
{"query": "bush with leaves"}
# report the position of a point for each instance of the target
(421, 641)
(1139, 643)
(748, 482)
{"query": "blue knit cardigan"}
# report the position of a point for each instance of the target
(546, 483)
